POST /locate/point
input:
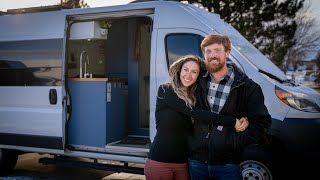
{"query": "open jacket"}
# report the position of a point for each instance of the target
(216, 146)
(174, 126)
(170, 145)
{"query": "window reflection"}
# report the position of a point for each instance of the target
(178, 45)
(31, 63)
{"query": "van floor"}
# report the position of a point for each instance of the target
(131, 142)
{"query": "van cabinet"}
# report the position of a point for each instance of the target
(98, 110)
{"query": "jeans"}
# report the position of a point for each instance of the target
(201, 171)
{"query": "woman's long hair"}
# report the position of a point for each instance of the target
(188, 94)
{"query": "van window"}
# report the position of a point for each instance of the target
(178, 45)
(31, 63)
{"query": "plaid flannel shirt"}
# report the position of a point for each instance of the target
(218, 91)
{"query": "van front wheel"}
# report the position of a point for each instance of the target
(252, 169)
(257, 162)
(8, 160)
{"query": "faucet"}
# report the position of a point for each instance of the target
(85, 65)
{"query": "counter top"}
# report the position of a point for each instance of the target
(100, 79)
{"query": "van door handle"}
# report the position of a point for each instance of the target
(53, 96)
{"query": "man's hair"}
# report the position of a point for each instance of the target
(216, 38)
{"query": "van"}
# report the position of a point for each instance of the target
(81, 84)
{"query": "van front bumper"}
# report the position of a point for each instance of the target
(300, 137)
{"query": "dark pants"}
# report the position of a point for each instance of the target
(201, 171)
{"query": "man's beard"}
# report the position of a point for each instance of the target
(213, 68)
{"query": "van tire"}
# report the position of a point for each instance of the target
(8, 160)
(258, 163)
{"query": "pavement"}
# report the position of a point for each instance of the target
(28, 168)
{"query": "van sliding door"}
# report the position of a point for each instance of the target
(31, 93)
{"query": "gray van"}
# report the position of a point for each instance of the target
(83, 83)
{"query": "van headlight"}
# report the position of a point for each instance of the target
(297, 100)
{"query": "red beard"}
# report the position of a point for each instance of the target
(212, 68)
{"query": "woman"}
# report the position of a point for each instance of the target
(168, 155)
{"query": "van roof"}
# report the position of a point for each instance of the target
(51, 25)
(34, 9)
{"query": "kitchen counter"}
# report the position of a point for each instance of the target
(100, 79)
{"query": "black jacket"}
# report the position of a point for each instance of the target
(174, 126)
(210, 145)
(170, 145)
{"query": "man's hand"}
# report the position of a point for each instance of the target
(241, 124)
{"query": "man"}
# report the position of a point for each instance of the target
(215, 150)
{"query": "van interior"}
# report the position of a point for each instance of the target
(107, 83)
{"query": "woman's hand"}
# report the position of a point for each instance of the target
(241, 124)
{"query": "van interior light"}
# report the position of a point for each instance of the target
(299, 101)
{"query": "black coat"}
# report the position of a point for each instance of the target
(173, 125)
(210, 145)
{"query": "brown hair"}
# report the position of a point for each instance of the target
(174, 73)
(216, 38)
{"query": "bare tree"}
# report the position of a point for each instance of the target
(306, 38)
(268, 24)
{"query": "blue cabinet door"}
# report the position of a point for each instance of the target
(87, 124)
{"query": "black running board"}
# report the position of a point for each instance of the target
(93, 165)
